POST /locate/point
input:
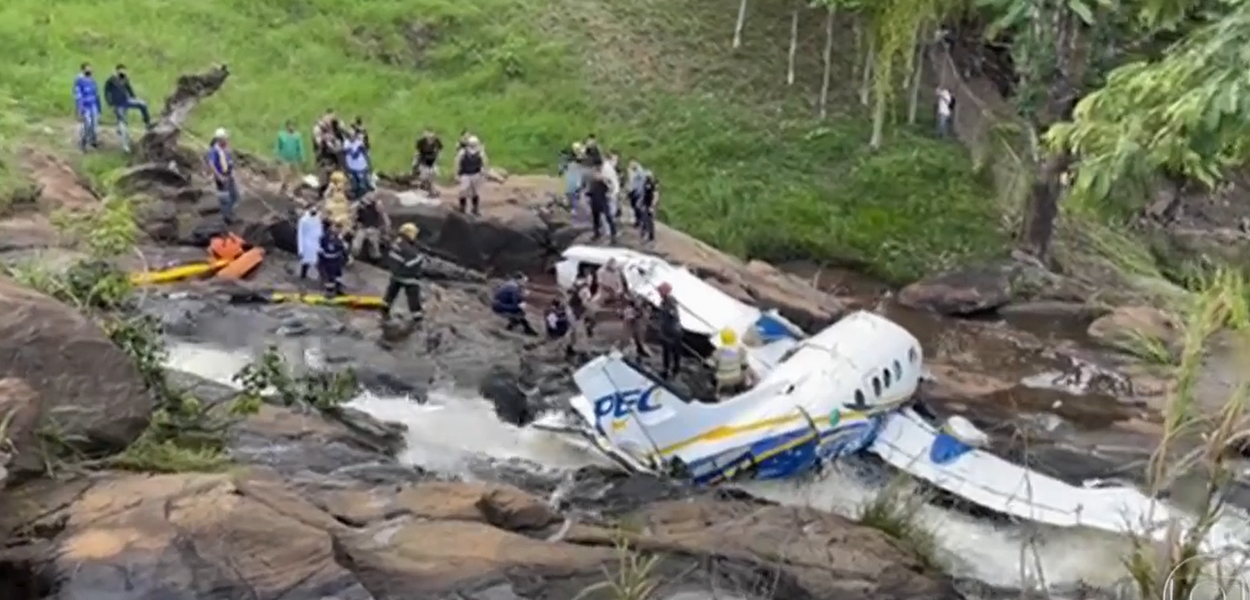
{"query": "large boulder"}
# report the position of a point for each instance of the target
(176, 537)
(63, 382)
(1134, 326)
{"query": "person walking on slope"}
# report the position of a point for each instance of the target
(308, 236)
(331, 259)
(470, 170)
(406, 266)
(945, 111)
(120, 95)
(87, 106)
(221, 163)
(509, 303)
(290, 152)
(425, 162)
(356, 158)
(668, 322)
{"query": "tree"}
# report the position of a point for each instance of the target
(1185, 113)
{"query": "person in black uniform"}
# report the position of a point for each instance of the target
(406, 268)
(648, 202)
(331, 259)
(600, 206)
(425, 163)
(470, 170)
(668, 323)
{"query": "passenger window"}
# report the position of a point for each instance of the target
(898, 370)
(886, 376)
(860, 402)
(912, 356)
(876, 386)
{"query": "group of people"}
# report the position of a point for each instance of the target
(593, 175)
(120, 96)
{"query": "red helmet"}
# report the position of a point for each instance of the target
(664, 289)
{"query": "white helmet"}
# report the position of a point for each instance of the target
(220, 133)
(472, 141)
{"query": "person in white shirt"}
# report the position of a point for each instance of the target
(945, 111)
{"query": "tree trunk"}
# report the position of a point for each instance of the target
(160, 143)
(878, 122)
(865, 86)
(742, 19)
(917, 69)
(794, 44)
(824, 84)
(1038, 227)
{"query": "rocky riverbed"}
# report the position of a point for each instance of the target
(456, 500)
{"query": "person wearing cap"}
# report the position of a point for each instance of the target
(668, 323)
(406, 266)
(470, 170)
(509, 302)
(120, 95)
(221, 163)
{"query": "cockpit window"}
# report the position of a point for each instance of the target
(912, 356)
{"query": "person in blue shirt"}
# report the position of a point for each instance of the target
(332, 258)
(221, 165)
(509, 303)
(120, 95)
(356, 159)
(87, 105)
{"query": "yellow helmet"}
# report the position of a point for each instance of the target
(338, 177)
(409, 230)
(728, 337)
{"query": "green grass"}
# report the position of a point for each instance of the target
(744, 163)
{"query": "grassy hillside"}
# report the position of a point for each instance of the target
(744, 162)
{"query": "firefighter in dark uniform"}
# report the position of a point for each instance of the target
(406, 264)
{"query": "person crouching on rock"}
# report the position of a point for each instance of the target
(308, 235)
(406, 263)
(371, 221)
(470, 170)
(509, 303)
(425, 163)
(559, 325)
(332, 258)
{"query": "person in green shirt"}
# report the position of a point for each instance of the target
(290, 150)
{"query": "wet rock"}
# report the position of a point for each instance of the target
(178, 537)
(507, 388)
(1131, 325)
(64, 377)
(961, 293)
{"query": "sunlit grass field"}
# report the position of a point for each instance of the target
(743, 161)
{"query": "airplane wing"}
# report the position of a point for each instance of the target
(908, 442)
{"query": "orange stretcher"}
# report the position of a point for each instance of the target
(228, 258)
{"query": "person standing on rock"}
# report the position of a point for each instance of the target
(87, 106)
(425, 162)
(509, 303)
(600, 210)
(582, 305)
(470, 170)
(648, 202)
(945, 111)
(331, 259)
(290, 151)
(636, 322)
(668, 323)
(635, 176)
(308, 238)
(613, 179)
(221, 164)
(356, 158)
(574, 176)
(406, 267)
(371, 221)
(120, 95)
(328, 146)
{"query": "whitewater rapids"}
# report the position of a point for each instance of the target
(452, 428)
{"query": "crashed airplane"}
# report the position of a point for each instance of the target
(850, 388)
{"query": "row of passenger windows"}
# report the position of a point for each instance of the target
(887, 378)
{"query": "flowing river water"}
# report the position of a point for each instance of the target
(452, 429)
